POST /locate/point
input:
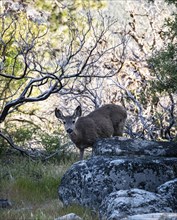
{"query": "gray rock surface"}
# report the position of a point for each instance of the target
(134, 147)
(153, 216)
(88, 182)
(70, 216)
(121, 166)
(169, 190)
(5, 203)
(131, 202)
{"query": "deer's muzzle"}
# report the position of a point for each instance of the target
(69, 131)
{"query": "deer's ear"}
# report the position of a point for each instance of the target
(58, 114)
(78, 111)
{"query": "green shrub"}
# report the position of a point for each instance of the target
(23, 134)
(50, 142)
(29, 136)
(3, 146)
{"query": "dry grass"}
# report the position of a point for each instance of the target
(32, 186)
(45, 211)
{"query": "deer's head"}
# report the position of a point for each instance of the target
(69, 120)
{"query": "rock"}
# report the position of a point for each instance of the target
(5, 203)
(126, 147)
(153, 216)
(70, 216)
(131, 202)
(169, 191)
(128, 169)
(88, 182)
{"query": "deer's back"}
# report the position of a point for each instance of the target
(110, 110)
(100, 123)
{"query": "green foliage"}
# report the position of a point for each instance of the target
(18, 36)
(62, 12)
(50, 142)
(23, 134)
(47, 143)
(171, 24)
(164, 61)
(165, 66)
(3, 146)
(20, 134)
(172, 2)
(58, 144)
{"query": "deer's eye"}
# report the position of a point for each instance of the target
(73, 121)
(64, 122)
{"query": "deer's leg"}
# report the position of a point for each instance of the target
(118, 130)
(81, 154)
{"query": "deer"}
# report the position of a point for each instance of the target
(104, 122)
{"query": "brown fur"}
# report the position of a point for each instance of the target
(106, 121)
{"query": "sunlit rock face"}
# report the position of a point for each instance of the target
(138, 167)
(131, 202)
(88, 182)
(119, 146)
(153, 216)
(169, 191)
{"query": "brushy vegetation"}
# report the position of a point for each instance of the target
(32, 186)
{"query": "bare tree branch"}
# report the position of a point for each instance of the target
(14, 146)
